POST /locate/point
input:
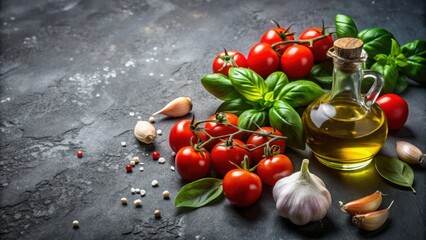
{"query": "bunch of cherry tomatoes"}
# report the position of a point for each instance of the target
(223, 148)
(278, 50)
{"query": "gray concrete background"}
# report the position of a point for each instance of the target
(73, 72)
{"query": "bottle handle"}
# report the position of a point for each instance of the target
(373, 93)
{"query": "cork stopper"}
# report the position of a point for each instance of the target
(348, 48)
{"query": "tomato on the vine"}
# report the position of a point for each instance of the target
(256, 140)
(241, 187)
(181, 135)
(297, 61)
(263, 59)
(395, 109)
(275, 35)
(227, 59)
(273, 168)
(192, 164)
(216, 129)
(319, 47)
(226, 152)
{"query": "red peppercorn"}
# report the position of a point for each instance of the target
(129, 168)
(79, 154)
(155, 155)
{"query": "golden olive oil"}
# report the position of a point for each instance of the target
(342, 133)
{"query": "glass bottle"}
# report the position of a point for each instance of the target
(345, 128)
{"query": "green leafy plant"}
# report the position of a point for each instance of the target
(199, 193)
(395, 171)
(260, 102)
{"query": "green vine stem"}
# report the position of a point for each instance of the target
(310, 41)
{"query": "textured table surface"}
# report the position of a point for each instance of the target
(78, 74)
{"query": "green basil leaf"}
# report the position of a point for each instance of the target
(276, 82)
(401, 84)
(284, 118)
(199, 193)
(390, 73)
(395, 48)
(248, 83)
(253, 119)
(376, 41)
(323, 73)
(395, 170)
(269, 97)
(220, 86)
(301, 92)
(415, 53)
(345, 26)
(401, 60)
(235, 106)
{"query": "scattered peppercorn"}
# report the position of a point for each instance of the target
(80, 154)
(166, 194)
(155, 155)
(75, 224)
(157, 213)
(129, 168)
(124, 201)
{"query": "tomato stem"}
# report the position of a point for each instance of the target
(310, 41)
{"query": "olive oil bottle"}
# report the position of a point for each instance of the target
(344, 128)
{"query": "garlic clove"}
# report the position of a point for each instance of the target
(145, 132)
(177, 108)
(409, 153)
(363, 205)
(373, 220)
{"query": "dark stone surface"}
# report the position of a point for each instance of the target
(73, 71)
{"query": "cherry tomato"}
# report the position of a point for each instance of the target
(297, 61)
(222, 155)
(241, 187)
(263, 59)
(228, 59)
(272, 169)
(218, 129)
(320, 47)
(395, 109)
(277, 34)
(192, 164)
(255, 140)
(181, 135)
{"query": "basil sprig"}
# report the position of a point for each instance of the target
(261, 102)
(199, 193)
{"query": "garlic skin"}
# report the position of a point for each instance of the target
(302, 197)
(409, 153)
(145, 132)
(177, 108)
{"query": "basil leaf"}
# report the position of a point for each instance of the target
(235, 106)
(395, 170)
(345, 26)
(376, 41)
(220, 86)
(276, 82)
(253, 119)
(301, 92)
(285, 119)
(248, 83)
(401, 84)
(199, 193)
(323, 73)
(415, 53)
(390, 73)
(395, 48)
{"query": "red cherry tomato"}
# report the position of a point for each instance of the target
(218, 129)
(222, 156)
(228, 59)
(395, 109)
(241, 187)
(272, 169)
(181, 135)
(297, 61)
(275, 35)
(256, 140)
(320, 47)
(263, 59)
(192, 164)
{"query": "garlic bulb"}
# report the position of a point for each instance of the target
(145, 132)
(302, 197)
(409, 153)
(177, 108)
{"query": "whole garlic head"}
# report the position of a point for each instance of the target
(302, 197)
(145, 132)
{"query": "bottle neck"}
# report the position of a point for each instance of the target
(347, 81)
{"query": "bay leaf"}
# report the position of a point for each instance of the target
(395, 171)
